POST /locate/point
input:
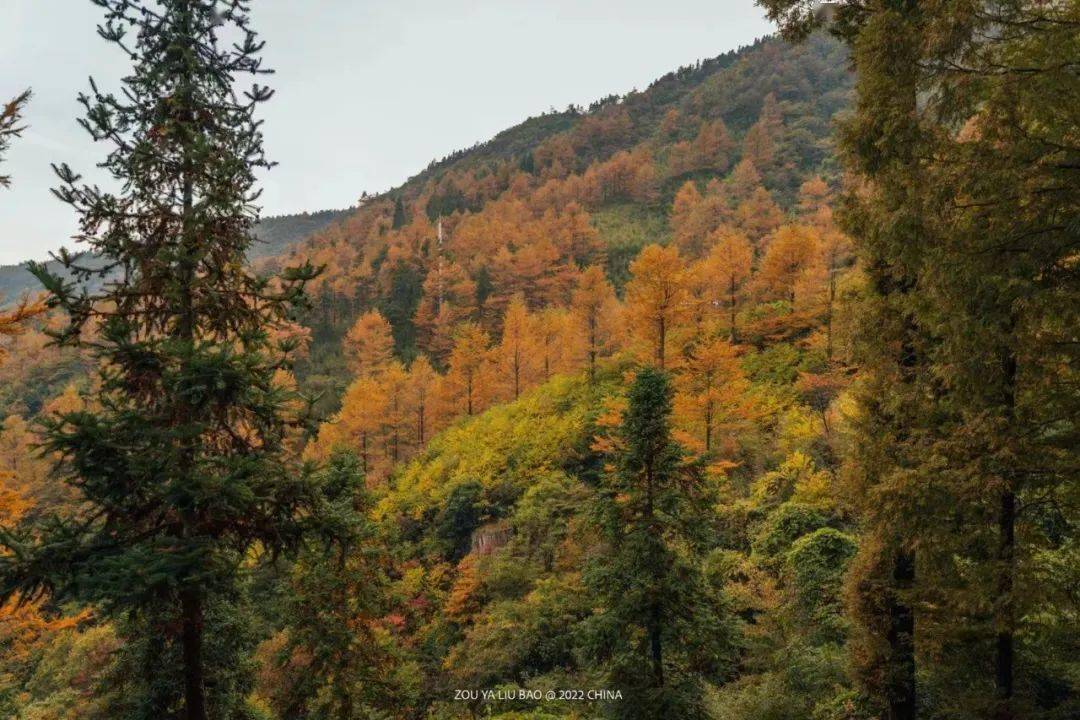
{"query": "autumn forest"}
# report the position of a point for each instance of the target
(751, 395)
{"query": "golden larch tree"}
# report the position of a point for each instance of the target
(657, 299)
(595, 311)
(369, 345)
(728, 265)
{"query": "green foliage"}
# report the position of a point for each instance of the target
(179, 463)
(660, 633)
(447, 202)
(808, 684)
(505, 448)
(815, 564)
(399, 305)
(625, 230)
(777, 364)
(398, 220)
(462, 514)
(145, 678)
(789, 522)
(334, 663)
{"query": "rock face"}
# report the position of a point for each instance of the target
(489, 538)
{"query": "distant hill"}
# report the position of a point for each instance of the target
(275, 234)
(752, 124)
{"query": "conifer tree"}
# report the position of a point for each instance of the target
(398, 220)
(13, 321)
(661, 633)
(882, 142)
(656, 299)
(10, 117)
(369, 344)
(335, 667)
(728, 264)
(594, 304)
(515, 353)
(180, 462)
(965, 144)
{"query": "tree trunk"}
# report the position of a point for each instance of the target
(656, 647)
(1004, 654)
(1003, 659)
(901, 638)
(191, 638)
(661, 339)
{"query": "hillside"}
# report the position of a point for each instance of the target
(756, 121)
(636, 411)
(275, 234)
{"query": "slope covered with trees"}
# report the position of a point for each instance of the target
(669, 407)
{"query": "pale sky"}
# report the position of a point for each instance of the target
(368, 91)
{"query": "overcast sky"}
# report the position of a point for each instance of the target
(368, 91)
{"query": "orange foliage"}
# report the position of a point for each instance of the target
(790, 252)
(595, 310)
(727, 268)
(711, 401)
(657, 300)
(369, 345)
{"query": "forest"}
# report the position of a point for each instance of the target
(751, 395)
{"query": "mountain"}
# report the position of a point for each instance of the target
(612, 419)
(614, 168)
(470, 346)
(275, 234)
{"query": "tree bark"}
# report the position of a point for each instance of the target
(1004, 652)
(656, 651)
(901, 637)
(191, 639)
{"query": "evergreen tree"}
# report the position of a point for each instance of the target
(10, 117)
(335, 665)
(661, 632)
(180, 460)
(399, 214)
(968, 158)
(527, 163)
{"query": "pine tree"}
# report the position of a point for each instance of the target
(516, 352)
(422, 380)
(661, 633)
(963, 139)
(398, 220)
(180, 462)
(881, 141)
(594, 305)
(13, 321)
(728, 266)
(468, 377)
(335, 666)
(10, 117)
(369, 345)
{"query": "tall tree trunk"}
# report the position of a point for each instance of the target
(901, 637)
(661, 340)
(656, 651)
(191, 640)
(1004, 652)
(1003, 657)
(731, 301)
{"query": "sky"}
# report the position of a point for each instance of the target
(368, 92)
